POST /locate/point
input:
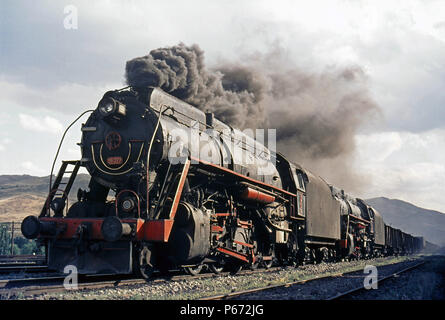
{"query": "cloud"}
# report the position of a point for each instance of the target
(389, 39)
(40, 124)
(32, 168)
(387, 142)
(65, 98)
(404, 165)
(4, 142)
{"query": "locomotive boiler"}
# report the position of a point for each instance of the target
(172, 186)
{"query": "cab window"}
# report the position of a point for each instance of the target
(299, 180)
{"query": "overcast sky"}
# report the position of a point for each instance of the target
(49, 74)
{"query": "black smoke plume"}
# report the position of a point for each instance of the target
(180, 71)
(316, 115)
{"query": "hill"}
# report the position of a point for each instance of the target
(411, 219)
(24, 195)
(16, 208)
(13, 185)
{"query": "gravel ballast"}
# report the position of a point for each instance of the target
(191, 289)
(323, 289)
(424, 283)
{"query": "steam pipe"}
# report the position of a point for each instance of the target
(148, 155)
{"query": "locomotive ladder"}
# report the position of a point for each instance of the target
(61, 188)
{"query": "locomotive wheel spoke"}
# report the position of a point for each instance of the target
(216, 268)
(234, 266)
(193, 270)
(255, 265)
(268, 263)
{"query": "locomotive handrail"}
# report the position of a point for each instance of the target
(185, 115)
(60, 145)
(148, 155)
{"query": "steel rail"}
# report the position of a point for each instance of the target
(289, 284)
(21, 258)
(281, 285)
(22, 268)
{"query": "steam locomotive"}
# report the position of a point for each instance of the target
(172, 186)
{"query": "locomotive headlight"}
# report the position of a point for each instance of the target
(106, 109)
(111, 108)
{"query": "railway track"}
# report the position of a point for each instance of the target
(285, 286)
(22, 259)
(358, 289)
(7, 269)
(262, 289)
(54, 284)
(21, 288)
(22, 264)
